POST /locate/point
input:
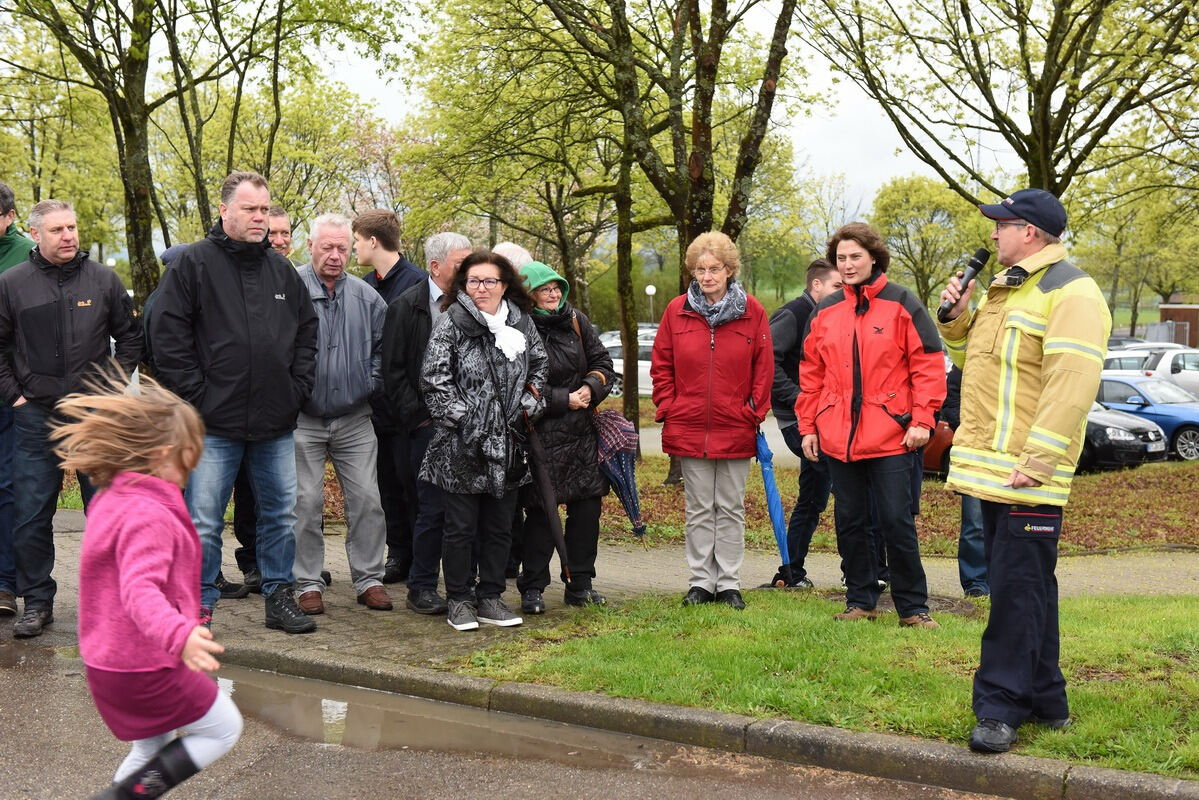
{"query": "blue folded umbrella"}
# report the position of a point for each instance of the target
(774, 503)
(617, 441)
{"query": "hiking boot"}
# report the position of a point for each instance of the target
(461, 615)
(8, 604)
(426, 601)
(230, 590)
(853, 614)
(920, 620)
(375, 598)
(311, 603)
(992, 736)
(697, 595)
(531, 601)
(394, 571)
(252, 579)
(282, 613)
(494, 611)
(583, 597)
(32, 622)
(731, 598)
(205, 617)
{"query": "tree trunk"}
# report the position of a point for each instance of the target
(139, 208)
(631, 400)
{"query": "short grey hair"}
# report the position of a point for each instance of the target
(330, 221)
(439, 245)
(1047, 237)
(514, 253)
(8, 200)
(39, 211)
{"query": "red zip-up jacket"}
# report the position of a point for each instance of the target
(872, 355)
(704, 381)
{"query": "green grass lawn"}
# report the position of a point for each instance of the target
(1131, 664)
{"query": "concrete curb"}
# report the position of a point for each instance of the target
(879, 755)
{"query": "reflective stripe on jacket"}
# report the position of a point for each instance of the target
(1031, 355)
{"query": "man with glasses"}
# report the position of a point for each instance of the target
(1032, 352)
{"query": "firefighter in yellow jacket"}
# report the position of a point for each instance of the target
(1031, 354)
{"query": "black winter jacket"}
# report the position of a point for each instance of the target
(402, 277)
(575, 359)
(787, 327)
(55, 324)
(406, 330)
(234, 334)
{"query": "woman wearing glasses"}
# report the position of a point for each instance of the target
(580, 376)
(871, 376)
(712, 369)
(484, 368)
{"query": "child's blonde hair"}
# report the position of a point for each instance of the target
(114, 426)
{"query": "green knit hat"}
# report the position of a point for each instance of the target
(537, 274)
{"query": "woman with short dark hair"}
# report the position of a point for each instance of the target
(484, 369)
(871, 378)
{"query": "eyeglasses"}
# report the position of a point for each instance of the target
(475, 283)
(999, 225)
(698, 271)
(549, 288)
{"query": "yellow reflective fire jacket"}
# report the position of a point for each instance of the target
(1030, 354)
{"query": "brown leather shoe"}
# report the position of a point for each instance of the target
(853, 614)
(376, 598)
(921, 620)
(311, 603)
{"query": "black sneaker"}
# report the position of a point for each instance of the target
(531, 601)
(32, 622)
(326, 577)
(584, 597)
(283, 614)
(393, 572)
(697, 595)
(992, 736)
(732, 598)
(230, 590)
(461, 615)
(780, 582)
(494, 611)
(252, 579)
(426, 601)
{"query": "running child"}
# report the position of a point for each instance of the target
(140, 635)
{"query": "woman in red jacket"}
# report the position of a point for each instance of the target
(871, 377)
(712, 368)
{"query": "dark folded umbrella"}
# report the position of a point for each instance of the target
(616, 439)
(539, 468)
(774, 503)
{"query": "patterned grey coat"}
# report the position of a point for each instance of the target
(476, 397)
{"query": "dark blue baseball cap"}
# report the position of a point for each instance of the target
(1031, 205)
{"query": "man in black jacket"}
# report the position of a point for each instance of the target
(377, 245)
(406, 330)
(787, 328)
(234, 334)
(57, 312)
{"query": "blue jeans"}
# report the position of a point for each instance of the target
(8, 568)
(814, 488)
(271, 466)
(972, 556)
(36, 482)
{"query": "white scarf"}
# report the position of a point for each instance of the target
(510, 341)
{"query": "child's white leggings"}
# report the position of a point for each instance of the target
(206, 739)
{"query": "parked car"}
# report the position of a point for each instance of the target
(1156, 346)
(1118, 439)
(1113, 439)
(1176, 366)
(645, 386)
(1120, 342)
(1126, 359)
(646, 331)
(1173, 408)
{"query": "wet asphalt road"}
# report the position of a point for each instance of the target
(56, 746)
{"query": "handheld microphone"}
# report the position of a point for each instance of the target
(977, 262)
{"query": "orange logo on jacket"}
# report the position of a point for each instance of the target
(83, 303)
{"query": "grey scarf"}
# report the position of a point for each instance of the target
(728, 308)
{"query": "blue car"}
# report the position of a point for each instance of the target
(1173, 408)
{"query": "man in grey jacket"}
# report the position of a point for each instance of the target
(336, 421)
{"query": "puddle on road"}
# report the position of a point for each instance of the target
(371, 720)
